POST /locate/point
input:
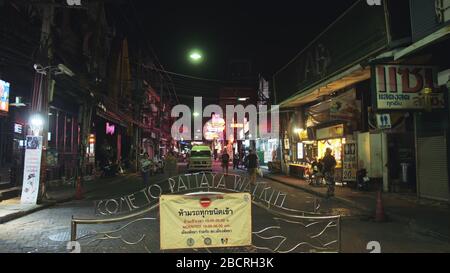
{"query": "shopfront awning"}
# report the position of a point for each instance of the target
(342, 80)
(435, 37)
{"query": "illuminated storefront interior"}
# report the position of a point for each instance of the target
(335, 145)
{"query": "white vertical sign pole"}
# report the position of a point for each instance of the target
(31, 170)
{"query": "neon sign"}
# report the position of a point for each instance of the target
(214, 128)
(4, 96)
(110, 128)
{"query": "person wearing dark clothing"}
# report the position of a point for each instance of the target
(236, 159)
(145, 169)
(317, 168)
(225, 161)
(252, 165)
(329, 164)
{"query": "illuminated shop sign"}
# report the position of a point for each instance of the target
(214, 128)
(407, 87)
(331, 132)
(110, 128)
(18, 128)
(4, 96)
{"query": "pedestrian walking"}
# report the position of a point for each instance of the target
(170, 165)
(225, 161)
(329, 165)
(252, 165)
(145, 169)
(236, 159)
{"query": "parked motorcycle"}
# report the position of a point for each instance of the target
(110, 170)
(158, 166)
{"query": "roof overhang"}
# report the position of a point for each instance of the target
(437, 36)
(342, 80)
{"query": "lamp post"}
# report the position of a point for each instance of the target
(39, 119)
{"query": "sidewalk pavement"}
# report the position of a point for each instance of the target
(423, 216)
(12, 209)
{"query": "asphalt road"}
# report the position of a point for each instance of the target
(48, 230)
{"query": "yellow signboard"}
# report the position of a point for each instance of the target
(205, 221)
(330, 132)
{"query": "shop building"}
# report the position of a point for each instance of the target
(328, 98)
(414, 83)
(268, 149)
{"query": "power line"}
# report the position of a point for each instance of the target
(192, 77)
(151, 48)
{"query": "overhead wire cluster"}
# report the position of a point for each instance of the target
(165, 78)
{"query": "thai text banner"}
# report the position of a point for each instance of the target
(205, 221)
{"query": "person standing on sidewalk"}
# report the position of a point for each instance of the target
(170, 165)
(329, 164)
(225, 161)
(236, 159)
(145, 169)
(252, 163)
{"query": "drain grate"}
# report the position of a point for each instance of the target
(65, 235)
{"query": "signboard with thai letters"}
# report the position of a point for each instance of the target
(350, 163)
(405, 87)
(205, 221)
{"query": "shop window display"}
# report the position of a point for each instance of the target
(335, 145)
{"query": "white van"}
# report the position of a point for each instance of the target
(200, 158)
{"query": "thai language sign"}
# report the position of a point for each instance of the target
(350, 164)
(205, 221)
(404, 87)
(31, 170)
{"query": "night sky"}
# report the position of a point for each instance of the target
(270, 33)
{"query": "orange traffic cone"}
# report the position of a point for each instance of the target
(79, 190)
(379, 214)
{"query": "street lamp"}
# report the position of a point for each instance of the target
(39, 119)
(195, 56)
(196, 114)
(36, 124)
(57, 70)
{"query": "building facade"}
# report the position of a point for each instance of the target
(371, 99)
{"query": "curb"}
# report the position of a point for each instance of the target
(319, 194)
(399, 218)
(50, 203)
(20, 214)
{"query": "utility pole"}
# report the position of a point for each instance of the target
(47, 57)
(161, 116)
